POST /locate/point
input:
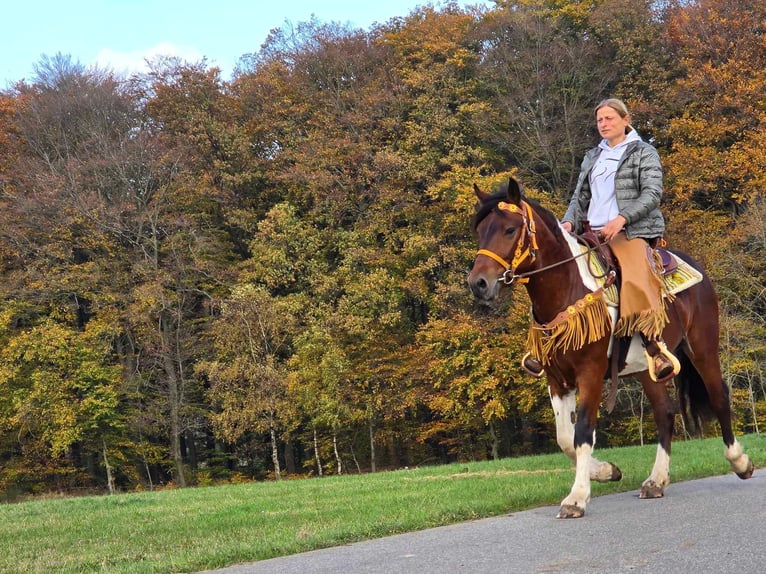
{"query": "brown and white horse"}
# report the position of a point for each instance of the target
(520, 241)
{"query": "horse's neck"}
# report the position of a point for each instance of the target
(554, 289)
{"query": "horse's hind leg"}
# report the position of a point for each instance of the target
(664, 417)
(739, 461)
(705, 368)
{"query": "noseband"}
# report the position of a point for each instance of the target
(526, 247)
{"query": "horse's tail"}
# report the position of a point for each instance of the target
(693, 397)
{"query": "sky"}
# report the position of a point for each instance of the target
(121, 34)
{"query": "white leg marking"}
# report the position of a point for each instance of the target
(661, 470)
(564, 410)
(580, 493)
(737, 458)
(600, 471)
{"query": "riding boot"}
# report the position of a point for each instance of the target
(532, 365)
(663, 365)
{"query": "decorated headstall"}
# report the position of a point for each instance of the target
(526, 247)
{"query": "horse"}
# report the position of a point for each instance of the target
(522, 242)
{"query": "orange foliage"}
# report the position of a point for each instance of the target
(717, 157)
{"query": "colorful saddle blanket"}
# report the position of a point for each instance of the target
(678, 275)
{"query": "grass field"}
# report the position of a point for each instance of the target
(202, 528)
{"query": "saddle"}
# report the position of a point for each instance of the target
(590, 239)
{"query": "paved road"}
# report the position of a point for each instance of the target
(714, 525)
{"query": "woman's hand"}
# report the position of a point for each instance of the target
(613, 228)
(567, 225)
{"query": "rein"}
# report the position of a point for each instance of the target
(530, 252)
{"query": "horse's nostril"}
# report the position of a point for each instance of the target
(479, 286)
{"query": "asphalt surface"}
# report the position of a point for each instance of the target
(714, 525)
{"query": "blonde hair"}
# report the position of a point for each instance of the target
(617, 105)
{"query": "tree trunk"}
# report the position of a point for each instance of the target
(175, 422)
(495, 446)
(275, 454)
(372, 446)
(751, 397)
(145, 461)
(316, 453)
(147, 469)
(109, 477)
(335, 449)
(190, 443)
(356, 462)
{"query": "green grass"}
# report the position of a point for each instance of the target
(202, 528)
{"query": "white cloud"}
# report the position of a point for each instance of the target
(132, 62)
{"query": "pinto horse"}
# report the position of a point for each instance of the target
(522, 242)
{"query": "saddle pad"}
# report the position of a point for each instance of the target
(682, 277)
(593, 271)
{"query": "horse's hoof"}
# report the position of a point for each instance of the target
(749, 472)
(570, 511)
(652, 490)
(616, 473)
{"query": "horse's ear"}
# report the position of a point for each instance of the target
(482, 195)
(515, 191)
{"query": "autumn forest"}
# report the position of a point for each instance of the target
(208, 280)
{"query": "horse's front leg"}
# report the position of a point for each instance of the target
(565, 410)
(573, 506)
(577, 440)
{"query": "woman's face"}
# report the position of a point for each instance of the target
(611, 125)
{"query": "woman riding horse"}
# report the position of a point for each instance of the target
(618, 193)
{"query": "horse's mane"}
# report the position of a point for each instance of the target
(490, 205)
(550, 220)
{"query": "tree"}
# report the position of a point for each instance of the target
(124, 215)
(319, 384)
(247, 377)
(717, 157)
(541, 81)
(61, 393)
(634, 39)
(317, 116)
(60, 276)
(182, 245)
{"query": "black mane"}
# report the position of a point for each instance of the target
(486, 207)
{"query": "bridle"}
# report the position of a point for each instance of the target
(526, 247)
(528, 251)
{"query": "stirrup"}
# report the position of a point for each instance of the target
(662, 351)
(532, 365)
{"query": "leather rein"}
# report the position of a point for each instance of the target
(529, 252)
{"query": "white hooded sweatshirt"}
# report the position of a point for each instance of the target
(603, 203)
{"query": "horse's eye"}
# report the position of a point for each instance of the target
(510, 231)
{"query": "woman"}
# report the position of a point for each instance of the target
(618, 193)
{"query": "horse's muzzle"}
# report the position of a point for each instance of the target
(483, 286)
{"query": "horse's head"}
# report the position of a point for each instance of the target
(506, 231)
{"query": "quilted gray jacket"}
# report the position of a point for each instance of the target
(638, 189)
